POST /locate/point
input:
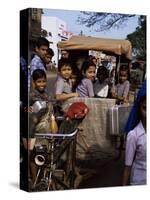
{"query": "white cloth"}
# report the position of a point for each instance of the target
(101, 89)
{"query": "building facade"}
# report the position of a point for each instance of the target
(55, 30)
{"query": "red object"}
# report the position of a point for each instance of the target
(77, 110)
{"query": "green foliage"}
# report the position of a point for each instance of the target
(138, 39)
(106, 21)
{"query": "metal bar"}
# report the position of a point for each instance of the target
(51, 135)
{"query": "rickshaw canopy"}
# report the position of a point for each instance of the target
(112, 46)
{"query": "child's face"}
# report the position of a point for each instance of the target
(64, 54)
(66, 72)
(143, 109)
(123, 76)
(94, 61)
(40, 84)
(41, 51)
(47, 58)
(90, 73)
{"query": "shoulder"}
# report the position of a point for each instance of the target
(127, 83)
(59, 84)
(36, 61)
(139, 129)
(136, 132)
(131, 135)
(86, 81)
(60, 80)
(36, 58)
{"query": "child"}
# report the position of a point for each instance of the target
(121, 90)
(48, 57)
(37, 94)
(39, 82)
(135, 155)
(41, 48)
(63, 83)
(85, 87)
(101, 85)
(65, 54)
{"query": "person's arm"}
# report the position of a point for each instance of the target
(129, 156)
(126, 175)
(124, 98)
(120, 98)
(126, 92)
(63, 96)
(90, 88)
(60, 95)
(113, 92)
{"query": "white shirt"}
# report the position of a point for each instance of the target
(136, 155)
(101, 89)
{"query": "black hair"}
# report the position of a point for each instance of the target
(65, 51)
(86, 64)
(102, 71)
(50, 52)
(64, 62)
(139, 107)
(125, 68)
(76, 72)
(38, 73)
(41, 41)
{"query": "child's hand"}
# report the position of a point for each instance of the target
(75, 94)
(114, 95)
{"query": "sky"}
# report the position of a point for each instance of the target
(70, 17)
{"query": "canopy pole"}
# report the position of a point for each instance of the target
(117, 68)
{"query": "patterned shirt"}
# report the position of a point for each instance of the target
(136, 155)
(85, 88)
(37, 63)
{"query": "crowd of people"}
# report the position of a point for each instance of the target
(93, 81)
(89, 81)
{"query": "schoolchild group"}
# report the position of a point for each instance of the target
(74, 82)
(92, 82)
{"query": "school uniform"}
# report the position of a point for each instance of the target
(136, 154)
(63, 86)
(122, 89)
(37, 63)
(85, 88)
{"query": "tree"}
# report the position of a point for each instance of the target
(106, 21)
(138, 39)
(103, 21)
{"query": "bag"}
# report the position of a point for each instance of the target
(73, 117)
(77, 110)
(44, 123)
